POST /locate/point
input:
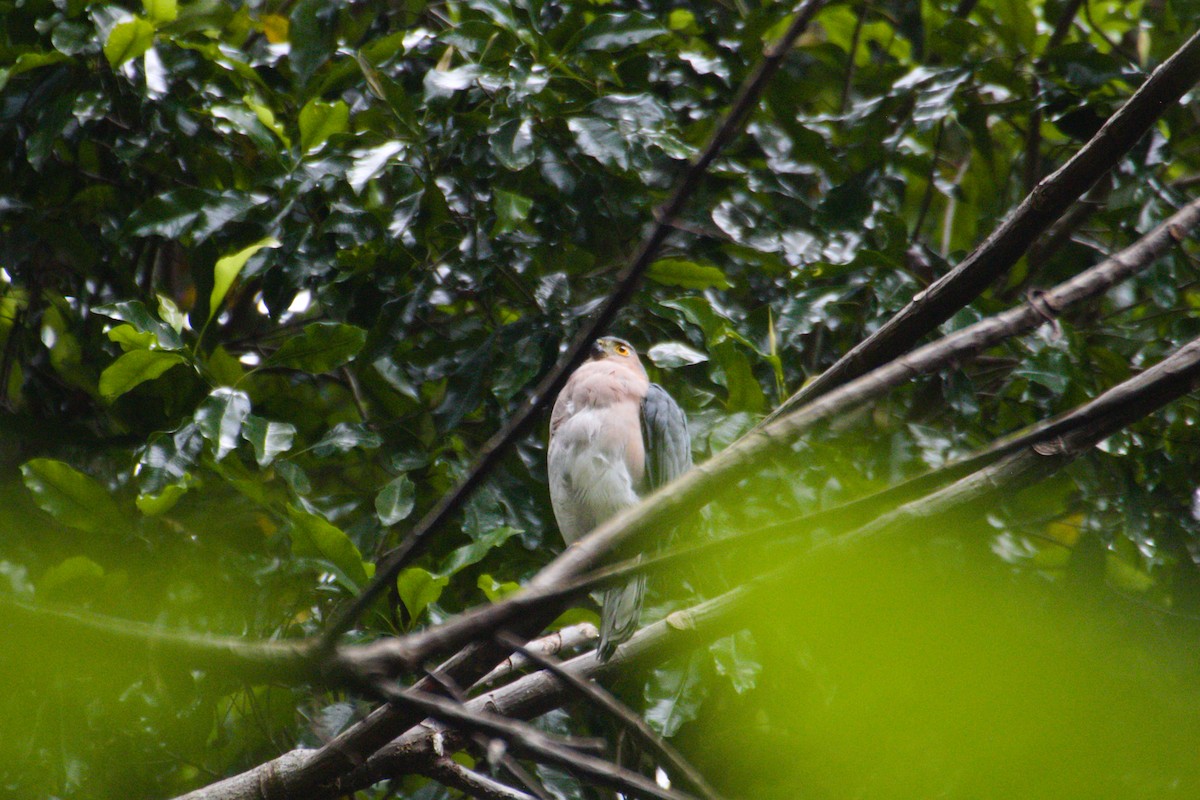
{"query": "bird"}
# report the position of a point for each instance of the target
(614, 437)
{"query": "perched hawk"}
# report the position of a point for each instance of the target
(614, 436)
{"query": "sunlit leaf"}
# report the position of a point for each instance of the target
(134, 368)
(320, 120)
(418, 588)
(618, 31)
(128, 40)
(227, 269)
(153, 505)
(161, 11)
(670, 355)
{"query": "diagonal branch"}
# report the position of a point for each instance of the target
(529, 742)
(676, 764)
(540, 692)
(997, 254)
(627, 283)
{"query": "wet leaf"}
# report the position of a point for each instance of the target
(220, 418)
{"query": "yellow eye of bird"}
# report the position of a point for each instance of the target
(622, 350)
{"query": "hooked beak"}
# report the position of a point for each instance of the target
(596, 351)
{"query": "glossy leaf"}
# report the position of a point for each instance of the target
(152, 505)
(395, 501)
(268, 438)
(315, 537)
(346, 436)
(128, 40)
(220, 419)
(73, 498)
(319, 121)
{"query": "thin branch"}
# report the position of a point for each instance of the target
(627, 283)
(676, 764)
(529, 742)
(1052, 196)
(449, 772)
(291, 661)
(568, 638)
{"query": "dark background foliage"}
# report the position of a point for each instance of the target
(274, 271)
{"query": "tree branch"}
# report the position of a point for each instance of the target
(1049, 199)
(676, 764)
(627, 283)
(449, 772)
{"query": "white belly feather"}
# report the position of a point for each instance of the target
(590, 478)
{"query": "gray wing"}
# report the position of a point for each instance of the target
(665, 433)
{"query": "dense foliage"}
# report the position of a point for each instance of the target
(272, 272)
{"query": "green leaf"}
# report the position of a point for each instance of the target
(396, 500)
(71, 497)
(295, 477)
(345, 436)
(617, 31)
(321, 347)
(268, 438)
(133, 368)
(687, 274)
(136, 314)
(319, 121)
(736, 657)
(315, 537)
(130, 338)
(474, 552)
(228, 267)
(496, 590)
(601, 140)
(161, 11)
(511, 210)
(673, 694)
(220, 418)
(512, 144)
(418, 588)
(70, 570)
(152, 505)
(128, 40)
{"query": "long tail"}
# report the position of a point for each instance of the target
(619, 615)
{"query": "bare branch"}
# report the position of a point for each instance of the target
(676, 764)
(449, 772)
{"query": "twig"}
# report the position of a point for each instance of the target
(602, 699)
(568, 638)
(529, 741)
(449, 772)
(548, 387)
